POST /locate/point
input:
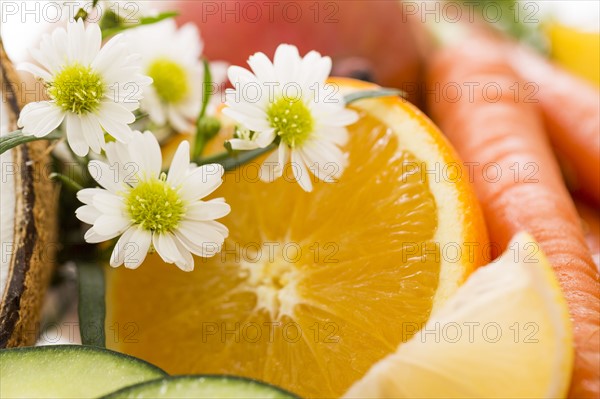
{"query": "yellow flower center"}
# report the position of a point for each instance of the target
(155, 206)
(77, 89)
(291, 119)
(170, 80)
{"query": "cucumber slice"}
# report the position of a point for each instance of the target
(69, 371)
(200, 387)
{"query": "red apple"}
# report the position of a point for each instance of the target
(368, 39)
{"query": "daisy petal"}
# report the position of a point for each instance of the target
(199, 238)
(35, 71)
(76, 44)
(75, 136)
(239, 77)
(201, 182)
(262, 67)
(108, 203)
(265, 138)
(286, 63)
(118, 254)
(314, 68)
(108, 225)
(87, 195)
(271, 167)
(240, 144)
(209, 210)
(218, 227)
(186, 263)
(179, 121)
(139, 245)
(117, 113)
(179, 164)
(151, 104)
(300, 172)
(92, 43)
(119, 129)
(145, 153)
(105, 175)
(92, 132)
(40, 118)
(166, 248)
(324, 158)
(87, 214)
(113, 50)
(91, 237)
(253, 122)
(342, 117)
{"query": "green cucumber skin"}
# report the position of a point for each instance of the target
(45, 371)
(81, 348)
(135, 391)
(153, 377)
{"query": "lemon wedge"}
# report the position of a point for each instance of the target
(506, 333)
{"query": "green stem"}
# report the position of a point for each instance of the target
(92, 306)
(383, 92)
(217, 158)
(17, 137)
(206, 89)
(143, 21)
(67, 181)
(140, 116)
(230, 161)
(205, 129)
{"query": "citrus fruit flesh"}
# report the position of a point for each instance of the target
(311, 289)
(505, 334)
(577, 50)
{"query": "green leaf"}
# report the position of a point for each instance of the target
(140, 117)
(143, 21)
(92, 306)
(206, 127)
(383, 92)
(206, 88)
(231, 161)
(81, 14)
(17, 137)
(67, 181)
(515, 18)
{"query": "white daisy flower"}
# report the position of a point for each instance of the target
(153, 210)
(90, 88)
(288, 100)
(171, 57)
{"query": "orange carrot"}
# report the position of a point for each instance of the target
(571, 109)
(518, 181)
(590, 220)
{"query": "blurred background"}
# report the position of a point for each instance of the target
(373, 39)
(383, 41)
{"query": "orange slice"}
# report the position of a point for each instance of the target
(314, 288)
(489, 340)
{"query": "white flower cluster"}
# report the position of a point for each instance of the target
(146, 207)
(94, 90)
(290, 103)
